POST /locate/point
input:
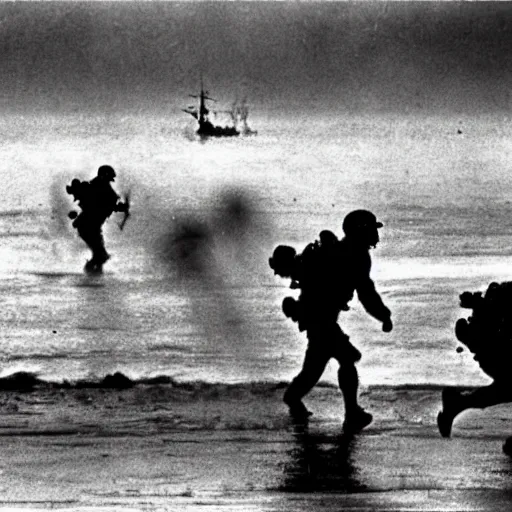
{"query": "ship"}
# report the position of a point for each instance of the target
(206, 128)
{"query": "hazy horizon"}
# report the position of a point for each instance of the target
(355, 58)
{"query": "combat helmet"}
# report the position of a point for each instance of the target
(359, 220)
(106, 172)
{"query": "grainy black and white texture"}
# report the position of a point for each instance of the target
(158, 385)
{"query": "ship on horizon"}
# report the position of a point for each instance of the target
(239, 113)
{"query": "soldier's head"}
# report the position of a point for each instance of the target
(107, 173)
(282, 260)
(361, 226)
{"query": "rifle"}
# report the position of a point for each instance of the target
(126, 211)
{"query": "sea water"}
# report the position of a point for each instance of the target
(441, 186)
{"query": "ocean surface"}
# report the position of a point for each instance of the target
(441, 186)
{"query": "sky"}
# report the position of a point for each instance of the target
(379, 57)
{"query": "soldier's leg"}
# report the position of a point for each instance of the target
(314, 365)
(456, 402)
(86, 233)
(100, 253)
(348, 379)
(93, 237)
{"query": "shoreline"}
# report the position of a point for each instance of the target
(25, 381)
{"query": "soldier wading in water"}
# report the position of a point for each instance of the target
(97, 200)
(328, 272)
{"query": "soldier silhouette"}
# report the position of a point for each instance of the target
(97, 201)
(328, 272)
(487, 333)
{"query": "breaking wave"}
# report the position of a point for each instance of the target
(24, 380)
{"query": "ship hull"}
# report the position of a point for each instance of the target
(210, 130)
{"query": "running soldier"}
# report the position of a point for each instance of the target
(328, 272)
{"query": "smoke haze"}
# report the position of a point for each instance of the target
(423, 57)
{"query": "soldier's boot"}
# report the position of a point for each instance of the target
(356, 421)
(296, 406)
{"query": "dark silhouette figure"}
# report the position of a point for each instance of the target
(97, 200)
(328, 272)
(487, 333)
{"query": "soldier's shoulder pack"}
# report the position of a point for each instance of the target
(487, 332)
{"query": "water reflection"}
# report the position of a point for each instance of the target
(321, 462)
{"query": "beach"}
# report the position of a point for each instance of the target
(194, 419)
(165, 446)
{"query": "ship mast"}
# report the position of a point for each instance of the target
(203, 111)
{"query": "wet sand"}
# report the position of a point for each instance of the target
(161, 448)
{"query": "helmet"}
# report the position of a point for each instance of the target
(359, 220)
(107, 172)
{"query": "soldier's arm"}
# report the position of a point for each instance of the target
(114, 201)
(372, 302)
